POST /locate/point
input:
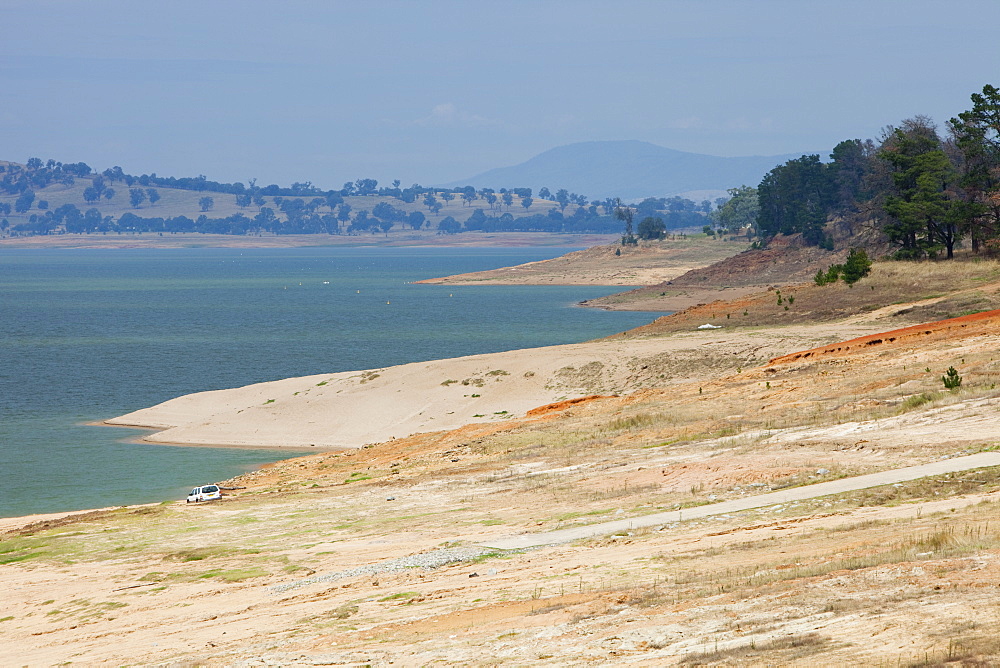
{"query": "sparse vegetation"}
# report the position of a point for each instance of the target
(719, 426)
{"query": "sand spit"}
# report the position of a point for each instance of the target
(648, 263)
(351, 409)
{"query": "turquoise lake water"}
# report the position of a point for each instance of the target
(86, 335)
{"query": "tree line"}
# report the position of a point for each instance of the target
(923, 189)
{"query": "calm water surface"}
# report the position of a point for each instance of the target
(90, 334)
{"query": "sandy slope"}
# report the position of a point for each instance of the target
(351, 409)
(648, 263)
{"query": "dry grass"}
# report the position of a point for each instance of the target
(860, 563)
(784, 650)
(940, 289)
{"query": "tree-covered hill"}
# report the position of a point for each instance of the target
(923, 191)
(39, 198)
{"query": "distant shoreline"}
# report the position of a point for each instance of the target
(401, 238)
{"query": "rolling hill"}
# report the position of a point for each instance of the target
(627, 169)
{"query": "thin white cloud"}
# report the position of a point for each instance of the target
(686, 123)
(447, 114)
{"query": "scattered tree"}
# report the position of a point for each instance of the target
(415, 219)
(625, 214)
(24, 201)
(136, 196)
(562, 198)
(652, 228)
(365, 186)
(449, 225)
(738, 212)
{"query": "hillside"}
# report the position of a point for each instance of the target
(179, 202)
(631, 170)
(387, 553)
(54, 199)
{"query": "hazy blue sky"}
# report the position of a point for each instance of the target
(434, 91)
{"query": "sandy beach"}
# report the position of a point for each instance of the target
(351, 409)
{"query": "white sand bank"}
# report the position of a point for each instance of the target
(354, 408)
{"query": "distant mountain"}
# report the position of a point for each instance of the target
(627, 169)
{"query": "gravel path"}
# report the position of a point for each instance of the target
(451, 555)
(951, 465)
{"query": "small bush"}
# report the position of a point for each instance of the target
(831, 275)
(917, 400)
(857, 266)
(951, 379)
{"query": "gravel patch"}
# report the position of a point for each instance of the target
(427, 560)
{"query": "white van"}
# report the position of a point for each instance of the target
(204, 493)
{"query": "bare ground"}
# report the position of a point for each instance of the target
(306, 565)
(650, 262)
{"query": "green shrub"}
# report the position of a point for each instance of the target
(857, 266)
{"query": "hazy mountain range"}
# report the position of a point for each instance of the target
(627, 169)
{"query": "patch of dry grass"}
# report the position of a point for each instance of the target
(784, 649)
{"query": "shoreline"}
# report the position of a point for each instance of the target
(183, 241)
(20, 522)
(221, 446)
(681, 299)
(400, 238)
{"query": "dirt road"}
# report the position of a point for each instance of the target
(952, 465)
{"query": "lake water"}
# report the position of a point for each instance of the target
(90, 334)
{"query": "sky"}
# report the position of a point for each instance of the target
(432, 91)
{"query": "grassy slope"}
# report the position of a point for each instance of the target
(176, 202)
(909, 292)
